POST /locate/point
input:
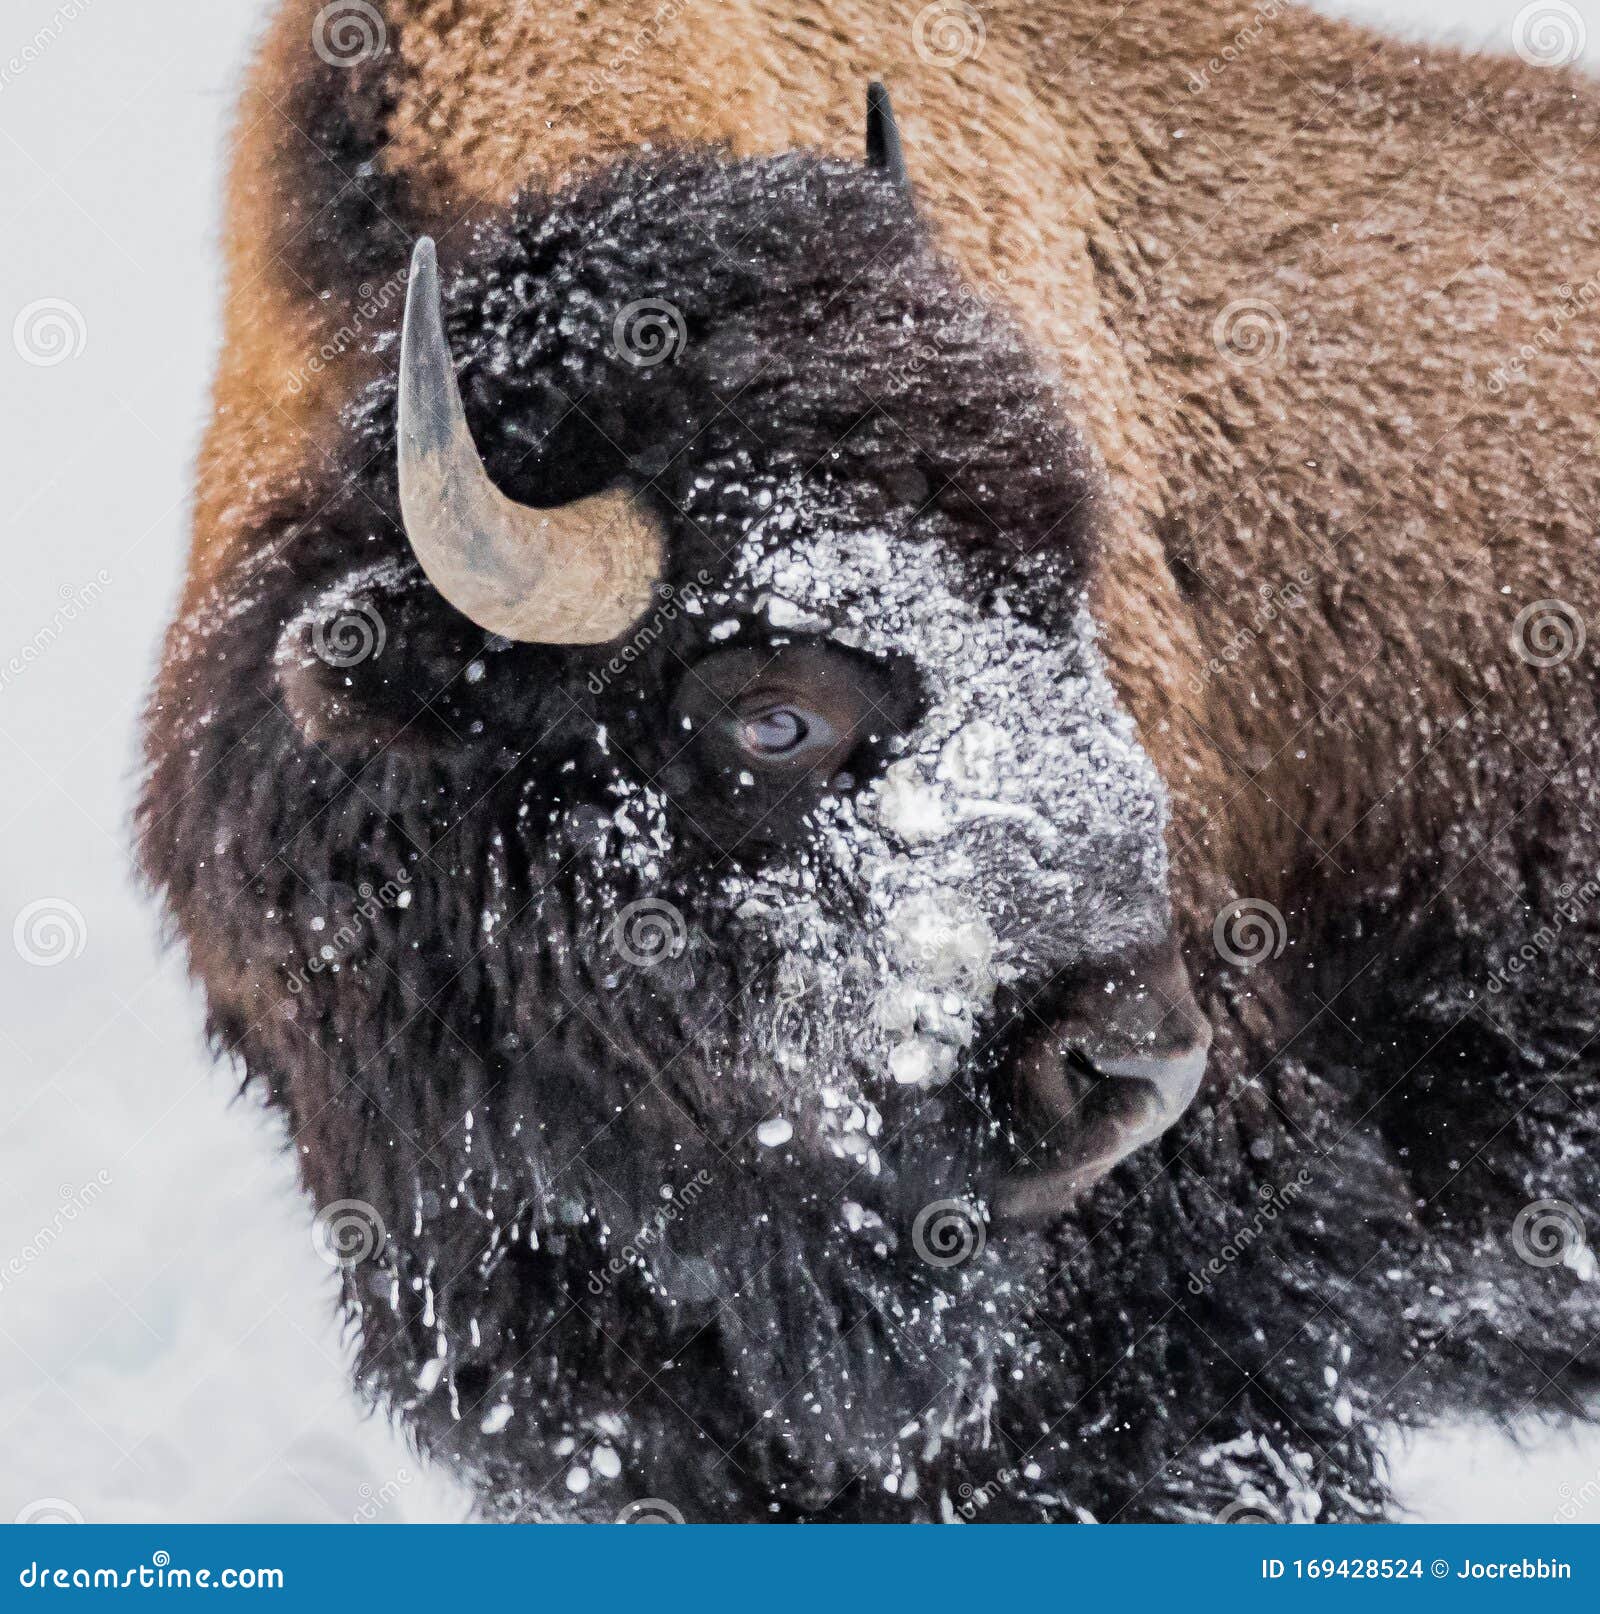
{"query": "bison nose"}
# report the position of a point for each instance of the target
(1122, 1061)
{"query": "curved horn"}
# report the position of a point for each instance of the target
(577, 574)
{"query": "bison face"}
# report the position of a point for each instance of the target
(922, 815)
(862, 773)
(786, 924)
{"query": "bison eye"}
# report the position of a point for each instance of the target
(760, 734)
(780, 731)
(784, 713)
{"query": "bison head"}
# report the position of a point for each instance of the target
(773, 921)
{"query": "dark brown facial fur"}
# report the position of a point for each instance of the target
(1325, 1243)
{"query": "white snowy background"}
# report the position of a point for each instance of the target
(168, 1347)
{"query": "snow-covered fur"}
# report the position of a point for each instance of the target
(629, 1098)
(555, 983)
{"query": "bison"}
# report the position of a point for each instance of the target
(904, 836)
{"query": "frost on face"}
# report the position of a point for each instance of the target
(1019, 831)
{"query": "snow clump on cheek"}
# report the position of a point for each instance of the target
(1020, 829)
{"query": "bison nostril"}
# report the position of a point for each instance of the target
(1125, 1060)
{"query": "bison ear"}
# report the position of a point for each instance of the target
(376, 659)
(883, 137)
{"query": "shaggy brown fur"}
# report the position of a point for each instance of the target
(1411, 216)
(1324, 306)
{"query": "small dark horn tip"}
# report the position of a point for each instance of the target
(884, 151)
